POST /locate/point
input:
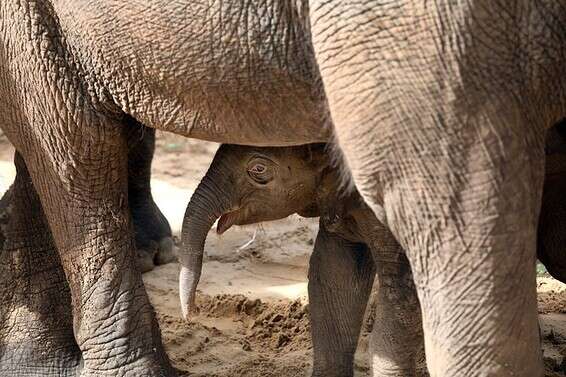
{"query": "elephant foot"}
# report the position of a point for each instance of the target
(146, 366)
(36, 329)
(145, 260)
(166, 252)
(338, 372)
(33, 357)
(156, 254)
(154, 240)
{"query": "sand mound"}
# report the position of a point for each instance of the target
(236, 336)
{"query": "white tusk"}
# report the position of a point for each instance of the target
(249, 242)
(184, 292)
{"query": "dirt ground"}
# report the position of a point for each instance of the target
(253, 318)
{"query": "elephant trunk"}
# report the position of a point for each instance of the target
(209, 202)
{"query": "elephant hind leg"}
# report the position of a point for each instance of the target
(341, 275)
(470, 236)
(36, 330)
(551, 244)
(154, 240)
(397, 341)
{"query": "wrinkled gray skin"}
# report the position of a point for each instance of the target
(440, 109)
(247, 185)
(35, 318)
(153, 238)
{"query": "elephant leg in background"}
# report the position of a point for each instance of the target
(36, 328)
(154, 241)
(84, 193)
(341, 275)
(396, 341)
(551, 245)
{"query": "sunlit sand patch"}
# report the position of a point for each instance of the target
(289, 291)
(7, 175)
(172, 202)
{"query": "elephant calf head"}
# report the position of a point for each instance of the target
(246, 185)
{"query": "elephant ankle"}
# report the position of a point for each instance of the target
(137, 354)
(333, 373)
(32, 358)
(116, 329)
(146, 366)
(393, 371)
(336, 365)
(130, 345)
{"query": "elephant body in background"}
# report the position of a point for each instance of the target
(440, 109)
(73, 76)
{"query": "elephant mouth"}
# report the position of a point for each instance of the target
(240, 216)
(226, 221)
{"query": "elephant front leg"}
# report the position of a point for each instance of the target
(470, 235)
(36, 330)
(154, 241)
(396, 342)
(341, 275)
(443, 137)
(84, 196)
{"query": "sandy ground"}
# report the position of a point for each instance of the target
(253, 318)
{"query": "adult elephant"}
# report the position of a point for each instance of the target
(440, 109)
(72, 76)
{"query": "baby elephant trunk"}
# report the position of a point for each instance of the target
(207, 204)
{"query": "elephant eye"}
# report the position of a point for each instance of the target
(258, 169)
(260, 173)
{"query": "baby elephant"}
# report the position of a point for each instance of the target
(246, 185)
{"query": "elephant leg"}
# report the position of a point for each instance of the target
(154, 241)
(36, 329)
(467, 219)
(396, 342)
(451, 157)
(552, 227)
(84, 193)
(341, 275)
(552, 223)
(466, 212)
